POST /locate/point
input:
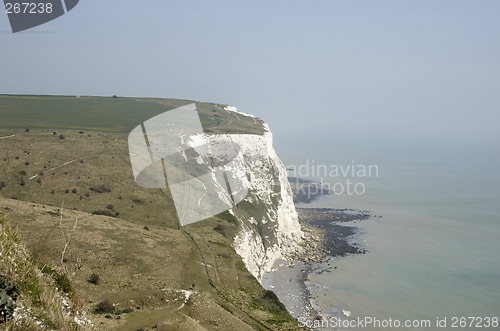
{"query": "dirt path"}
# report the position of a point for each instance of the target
(55, 168)
(5, 137)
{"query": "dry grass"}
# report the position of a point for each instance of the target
(134, 264)
(41, 305)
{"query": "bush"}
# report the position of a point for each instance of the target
(106, 212)
(10, 287)
(110, 206)
(63, 283)
(73, 190)
(94, 279)
(271, 301)
(62, 137)
(9, 291)
(105, 306)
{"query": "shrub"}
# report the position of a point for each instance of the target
(105, 306)
(73, 190)
(63, 283)
(270, 301)
(9, 291)
(110, 206)
(10, 287)
(62, 137)
(106, 212)
(94, 279)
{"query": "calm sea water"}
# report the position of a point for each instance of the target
(435, 252)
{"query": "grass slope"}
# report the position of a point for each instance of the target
(127, 235)
(46, 299)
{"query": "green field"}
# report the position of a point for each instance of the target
(108, 114)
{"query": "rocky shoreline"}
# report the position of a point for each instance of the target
(325, 237)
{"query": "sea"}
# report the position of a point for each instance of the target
(433, 243)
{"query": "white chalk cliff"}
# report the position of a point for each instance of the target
(270, 228)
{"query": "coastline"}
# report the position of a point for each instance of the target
(327, 236)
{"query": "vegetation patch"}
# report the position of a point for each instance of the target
(101, 189)
(105, 212)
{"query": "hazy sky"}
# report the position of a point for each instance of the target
(313, 69)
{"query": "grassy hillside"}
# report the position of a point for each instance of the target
(107, 114)
(74, 201)
(40, 295)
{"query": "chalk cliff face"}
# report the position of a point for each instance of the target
(270, 228)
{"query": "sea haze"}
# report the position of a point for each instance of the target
(434, 252)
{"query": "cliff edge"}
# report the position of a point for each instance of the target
(269, 222)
